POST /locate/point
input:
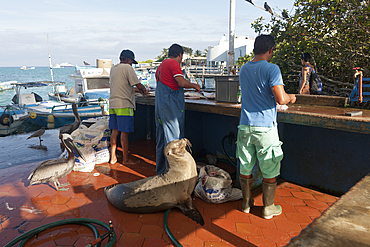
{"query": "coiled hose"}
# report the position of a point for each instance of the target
(167, 229)
(81, 221)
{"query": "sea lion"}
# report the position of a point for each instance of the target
(164, 191)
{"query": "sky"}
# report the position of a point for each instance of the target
(88, 30)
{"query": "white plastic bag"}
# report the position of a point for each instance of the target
(215, 186)
(93, 143)
(102, 154)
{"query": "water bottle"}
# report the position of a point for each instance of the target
(239, 95)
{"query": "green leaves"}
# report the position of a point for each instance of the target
(335, 32)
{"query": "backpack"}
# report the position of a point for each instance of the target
(315, 83)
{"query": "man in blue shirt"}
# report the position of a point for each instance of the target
(262, 87)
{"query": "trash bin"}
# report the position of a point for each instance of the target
(227, 88)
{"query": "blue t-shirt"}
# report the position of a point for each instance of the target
(258, 102)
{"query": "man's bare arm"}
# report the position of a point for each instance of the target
(281, 97)
(186, 84)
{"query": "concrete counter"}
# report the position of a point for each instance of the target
(309, 110)
(323, 148)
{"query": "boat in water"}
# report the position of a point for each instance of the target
(6, 85)
(11, 118)
(53, 114)
(26, 68)
(90, 85)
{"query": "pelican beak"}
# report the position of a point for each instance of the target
(69, 142)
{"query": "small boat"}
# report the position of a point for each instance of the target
(90, 85)
(11, 118)
(53, 114)
(66, 64)
(6, 85)
(27, 68)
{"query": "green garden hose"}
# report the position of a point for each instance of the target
(81, 221)
(173, 239)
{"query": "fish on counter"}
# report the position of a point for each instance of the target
(194, 95)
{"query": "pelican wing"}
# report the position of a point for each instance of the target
(49, 171)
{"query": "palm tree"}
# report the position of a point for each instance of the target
(163, 55)
(205, 52)
(197, 53)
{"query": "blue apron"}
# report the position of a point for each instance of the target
(169, 120)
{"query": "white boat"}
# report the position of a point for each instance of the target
(52, 114)
(6, 85)
(90, 85)
(11, 118)
(27, 68)
(66, 64)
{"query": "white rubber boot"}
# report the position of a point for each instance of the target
(269, 208)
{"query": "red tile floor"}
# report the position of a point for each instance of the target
(24, 207)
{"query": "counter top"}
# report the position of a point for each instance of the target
(303, 114)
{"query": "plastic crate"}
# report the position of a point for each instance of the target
(227, 88)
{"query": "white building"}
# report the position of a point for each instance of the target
(217, 55)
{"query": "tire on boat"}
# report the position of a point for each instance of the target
(6, 119)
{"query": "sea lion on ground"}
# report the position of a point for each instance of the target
(164, 191)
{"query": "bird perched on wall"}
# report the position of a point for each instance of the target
(267, 8)
(52, 170)
(250, 1)
(38, 134)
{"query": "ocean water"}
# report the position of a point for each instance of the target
(32, 75)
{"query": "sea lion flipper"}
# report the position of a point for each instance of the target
(189, 209)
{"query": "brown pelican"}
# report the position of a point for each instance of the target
(52, 170)
(69, 128)
(38, 134)
(86, 63)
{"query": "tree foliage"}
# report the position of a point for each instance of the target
(335, 32)
(164, 53)
(163, 56)
(244, 59)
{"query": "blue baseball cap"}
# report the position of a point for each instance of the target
(128, 54)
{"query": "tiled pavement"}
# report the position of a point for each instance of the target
(24, 207)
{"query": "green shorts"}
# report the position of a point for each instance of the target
(260, 143)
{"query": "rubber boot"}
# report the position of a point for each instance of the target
(246, 186)
(269, 208)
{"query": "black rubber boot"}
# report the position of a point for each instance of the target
(246, 186)
(269, 209)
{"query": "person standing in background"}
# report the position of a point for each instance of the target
(305, 74)
(122, 103)
(262, 87)
(170, 103)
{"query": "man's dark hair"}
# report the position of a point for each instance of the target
(175, 50)
(123, 59)
(306, 57)
(263, 43)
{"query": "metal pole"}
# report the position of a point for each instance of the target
(230, 54)
(51, 69)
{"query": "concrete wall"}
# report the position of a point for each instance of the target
(327, 159)
(331, 160)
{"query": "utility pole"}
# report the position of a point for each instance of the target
(230, 54)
